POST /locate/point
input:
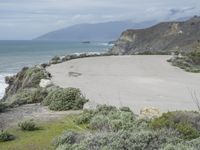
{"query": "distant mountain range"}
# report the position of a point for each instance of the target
(163, 37)
(108, 31)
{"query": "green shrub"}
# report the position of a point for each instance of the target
(117, 129)
(5, 136)
(195, 57)
(186, 123)
(100, 122)
(28, 96)
(106, 118)
(105, 109)
(179, 146)
(154, 53)
(55, 60)
(190, 62)
(141, 140)
(28, 125)
(187, 131)
(195, 143)
(69, 137)
(65, 99)
(162, 122)
(85, 117)
(3, 107)
(126, 109)
(33, 77)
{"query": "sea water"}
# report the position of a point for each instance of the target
(14, 55)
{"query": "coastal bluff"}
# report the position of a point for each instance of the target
(164, 37)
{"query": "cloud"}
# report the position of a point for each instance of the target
(26, 19)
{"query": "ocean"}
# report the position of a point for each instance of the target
(14, 55)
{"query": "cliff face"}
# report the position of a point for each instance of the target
(164, 37)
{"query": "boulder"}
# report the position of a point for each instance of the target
(150, 112)
(45, 83)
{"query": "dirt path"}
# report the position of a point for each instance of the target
(31, 111)
(134, 81)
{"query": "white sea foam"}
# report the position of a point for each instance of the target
(103, 44)
(3, 85)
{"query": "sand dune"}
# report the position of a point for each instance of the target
(134, 81)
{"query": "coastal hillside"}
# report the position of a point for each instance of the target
(164, 37)
(107, 31)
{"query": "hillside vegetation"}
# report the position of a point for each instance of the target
(119, 129)
(110, 128)
(190, 62)
(164, 37)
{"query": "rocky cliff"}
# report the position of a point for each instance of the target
(164, 37)
(26, 81)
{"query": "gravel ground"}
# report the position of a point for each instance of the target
(134, 81)
(31, 111)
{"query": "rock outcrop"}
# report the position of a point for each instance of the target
(149, 113)
(44, 83)
(164, 37)
(27, 78)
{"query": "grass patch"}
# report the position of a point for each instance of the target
(41, 139)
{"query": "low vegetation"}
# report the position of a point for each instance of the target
(25, 83)
(153, 53)
(194, 57)
(41, 139)
(27, 96)
(28, 125)
(65, 99)
(186, 123)
(2, 107)
(190, 62)
(110, 128)
(32, 77)
(115, 129)
(55, 60)
(5, 136)
(58, 99)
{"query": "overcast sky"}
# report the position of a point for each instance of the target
(26, 19)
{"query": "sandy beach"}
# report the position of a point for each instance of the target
(134, 81)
